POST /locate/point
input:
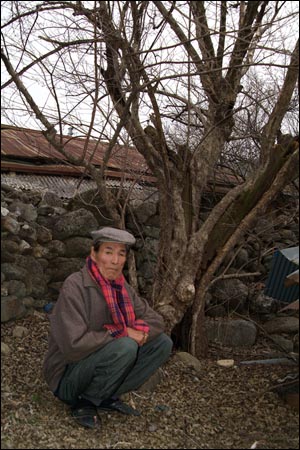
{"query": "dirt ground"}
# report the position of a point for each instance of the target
(212, 408)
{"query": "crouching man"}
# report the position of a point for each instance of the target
(104, 339)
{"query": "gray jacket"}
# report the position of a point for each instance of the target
(76, 323)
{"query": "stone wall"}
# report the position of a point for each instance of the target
(44, 240)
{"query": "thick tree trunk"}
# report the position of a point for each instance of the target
(188, 269)
(247, 200)
(286, 173)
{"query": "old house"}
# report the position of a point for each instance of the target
(29, 162)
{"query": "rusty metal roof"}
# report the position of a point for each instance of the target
(26, 151)
(26, 144)
(65, 170)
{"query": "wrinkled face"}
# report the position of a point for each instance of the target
(110, 258)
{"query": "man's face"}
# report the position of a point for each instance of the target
(110, 258)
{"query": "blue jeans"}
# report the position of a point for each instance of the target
(121, 366)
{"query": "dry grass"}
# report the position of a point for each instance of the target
(215, 408)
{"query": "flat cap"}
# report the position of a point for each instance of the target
(108, 234)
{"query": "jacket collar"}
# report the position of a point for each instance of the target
(87, 279)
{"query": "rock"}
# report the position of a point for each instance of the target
(28, 233)
(4, 289)
(28, 302)
(284, 344)
(56, 248)
(5, 350)
(225, 362)
(58, 211)
(35, 280)
(4, 211)
(78, 247)
(43, 234)
(75, 223)
(241, 259)
(188, 360)
(262, 304)
(24, 246)
(17, 288)
(51, 199)
(151, 232)
(9, 246)
(26, 211)
(60, 268)
(7, 256)
(216, 311)
(45, 210)
(54, 288)
(233, 333)
(10, 224)
(19, 332)
(232, 291)
(13, 272)
(282, 325)
(143, 211)
(11, 308)
(288, 234)
(38, 251)
(147, 270)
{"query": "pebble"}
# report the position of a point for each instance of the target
(5, 350)
(225, 362)
(20, 332)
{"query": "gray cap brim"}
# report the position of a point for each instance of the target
(108, 234)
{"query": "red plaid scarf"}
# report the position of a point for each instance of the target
(118, 302)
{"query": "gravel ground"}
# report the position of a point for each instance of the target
(213, 408)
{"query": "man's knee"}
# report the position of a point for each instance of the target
(165, 344)
(127, 344)
(125, 348)
(160, 347)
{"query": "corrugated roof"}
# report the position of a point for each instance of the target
(284, 262)
(64, 187)
(65, 170)
(28, 151)
(24, 144)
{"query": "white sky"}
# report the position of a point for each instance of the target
(282, 38)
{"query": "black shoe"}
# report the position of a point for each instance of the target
(85, 414)
(112, 404)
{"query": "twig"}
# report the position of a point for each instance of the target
(235, 275)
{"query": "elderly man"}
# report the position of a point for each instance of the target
(104, 339)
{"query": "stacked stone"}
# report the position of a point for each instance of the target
(44, 239)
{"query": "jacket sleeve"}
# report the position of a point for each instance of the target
(70, 327)
(144, 311)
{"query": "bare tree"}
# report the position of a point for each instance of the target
(181, 69)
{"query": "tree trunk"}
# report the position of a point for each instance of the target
(287, 172)
(188, 269)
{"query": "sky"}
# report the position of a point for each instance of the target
(35, 82)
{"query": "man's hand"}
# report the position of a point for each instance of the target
(138, 336)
